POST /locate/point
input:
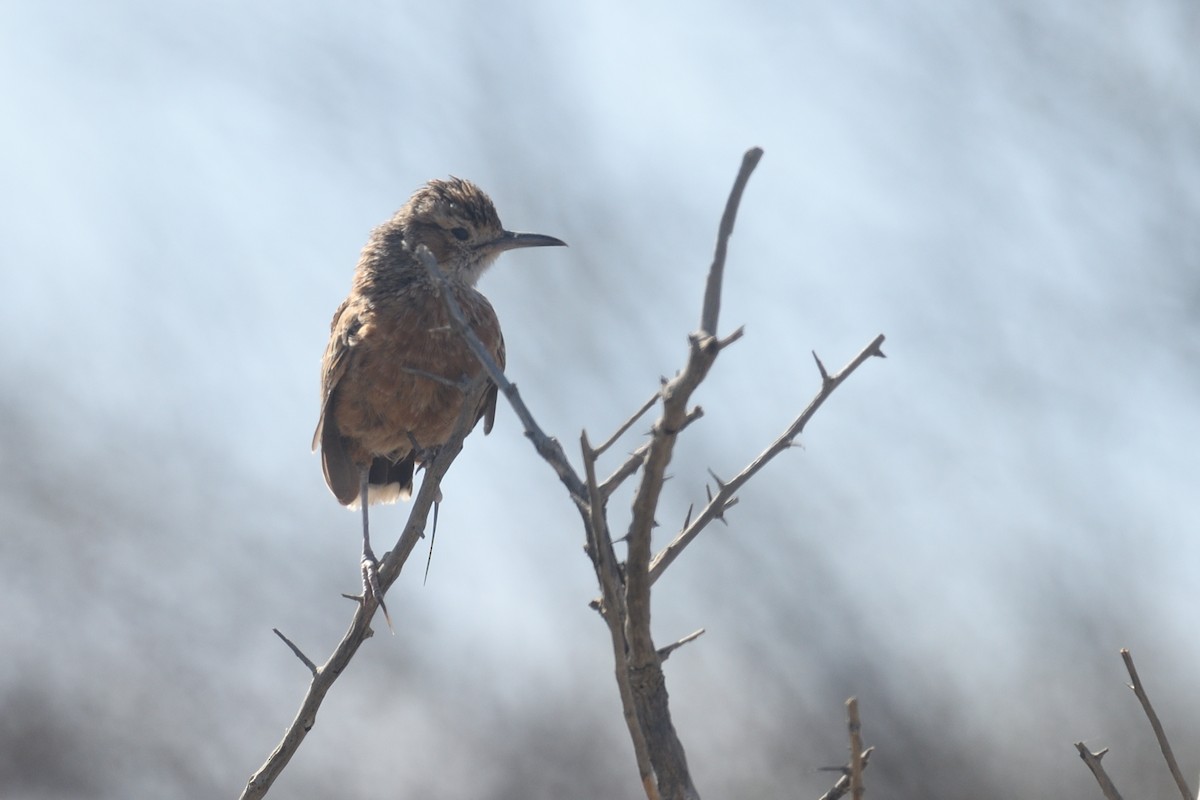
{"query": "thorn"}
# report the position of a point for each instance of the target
(432, 538)
(728, 505)
(688, 519)
(821, 367)
(720, 483)
(708, 492)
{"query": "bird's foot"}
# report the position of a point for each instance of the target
(370, 579)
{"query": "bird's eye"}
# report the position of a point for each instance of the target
(460, 233)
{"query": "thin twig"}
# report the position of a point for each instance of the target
(1159, 733)
(665, 652)
(716, 273)
(628, 468)
(547, 447)
(297, 651)
(1093, 762)
(721, 500)
(637, 457)
(649, 404)
(360, 626)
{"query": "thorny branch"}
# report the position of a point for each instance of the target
(547, 447)
(625, 588)
(727, 491)
(360, 626)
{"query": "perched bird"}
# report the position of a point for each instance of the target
(393, 373)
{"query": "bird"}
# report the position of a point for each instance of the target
(394, 369)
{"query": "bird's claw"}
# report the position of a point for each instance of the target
(371, 590)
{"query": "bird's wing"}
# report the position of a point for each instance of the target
(488, 411)
(343, 335)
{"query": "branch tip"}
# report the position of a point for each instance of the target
(298, 652)
(1163, 744)
(731, 338)
(665, 652)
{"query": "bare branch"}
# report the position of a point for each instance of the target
(360, 626)
(637, 457)
(719, 502)
(731, 338)
(649, 404)
(665, 652)
(1159, 733)
(856, 764)
(716, 273)
(1093, 762)
(612, 611)
(645, 665)
(631, 465)
(842, 787)
(547, 447)
(297, 651)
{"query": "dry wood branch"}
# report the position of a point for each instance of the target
(649, 404)
(612, 611)
(547, 447)
(360, 626)
(665, 652)
(644, 662)
(719, 502)
(625, 588)
(842, 787)
(1093, 762)
(1159, 733)
(716, 273)
(638, 456)
(856, 763)
(312, 668)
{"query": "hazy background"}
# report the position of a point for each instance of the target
(1010, 192)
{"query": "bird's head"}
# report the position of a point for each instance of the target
(459, 225)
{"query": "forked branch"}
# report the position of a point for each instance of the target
(727, 491)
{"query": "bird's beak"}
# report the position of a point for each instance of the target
(511, 241)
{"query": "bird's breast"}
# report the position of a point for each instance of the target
(409, 369)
